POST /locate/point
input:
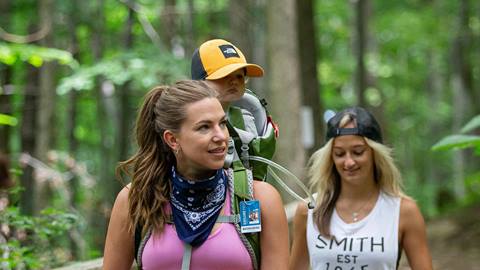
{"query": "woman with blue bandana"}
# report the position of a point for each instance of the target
(178, 204)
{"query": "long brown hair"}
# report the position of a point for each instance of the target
(163, 109)
(325, 180)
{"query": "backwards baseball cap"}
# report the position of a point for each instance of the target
(217, 58)
(366, 125)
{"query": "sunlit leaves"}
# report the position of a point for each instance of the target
(35, 55)
(8, 120)
(144, 72)
(457, 141)
(461, 141)
(472, 124)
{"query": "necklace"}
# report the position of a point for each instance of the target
(356, 213)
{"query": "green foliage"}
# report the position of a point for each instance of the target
(471, 125)
(33, 240)
(337, 62)
(8, 120)
(44, 241)
(461, 141)
(457, 141)
(35, 55)
(409, 66)
(144, 72)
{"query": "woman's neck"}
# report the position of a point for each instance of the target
(351, 192)
(193, 174)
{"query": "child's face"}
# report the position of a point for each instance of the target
(231, 87)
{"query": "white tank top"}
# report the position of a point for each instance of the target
(371, 243)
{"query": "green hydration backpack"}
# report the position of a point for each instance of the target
(252, 132)
(253, 137)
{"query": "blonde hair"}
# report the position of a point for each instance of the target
(164, 108)
(325, 180)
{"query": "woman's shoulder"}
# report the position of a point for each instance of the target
(262, 188)
(408, 207)
(410, 215)
(122, 196)
(265, 192)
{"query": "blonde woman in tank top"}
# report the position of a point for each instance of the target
(179, 189)
(362, 219)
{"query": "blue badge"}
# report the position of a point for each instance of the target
(250, 216)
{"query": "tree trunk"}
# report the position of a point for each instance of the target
(190, 43)
(46, 103)
(47, 95)
(436, 177)
(465, 52)
(459, 103)
(169, 25)
(240, 32)
(284, 82)
(462, 85)
(258, 48)
(125, 112)
(459, 112)
(360, 45)
(77, 241)
(6, 87)
(213, 22)
(99, 219)
(312, 105)
(27, 131)
(5, 106)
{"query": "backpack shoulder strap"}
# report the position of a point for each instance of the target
(140, 242)
(242, 190)
(235, 117)
(141, 238)
(243, 183)
(137, 239)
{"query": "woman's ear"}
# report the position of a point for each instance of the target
(170, 139)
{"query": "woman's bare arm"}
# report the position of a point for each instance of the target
(413, 236)
(274, 234)
(119, 244)
(299, 259)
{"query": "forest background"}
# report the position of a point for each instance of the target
(72, 75)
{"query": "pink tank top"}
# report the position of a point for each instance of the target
(223, 249)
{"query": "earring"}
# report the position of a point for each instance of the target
(176, 151)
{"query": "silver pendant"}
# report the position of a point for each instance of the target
(355, 216)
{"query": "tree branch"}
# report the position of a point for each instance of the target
(40, 34)
(147, 26)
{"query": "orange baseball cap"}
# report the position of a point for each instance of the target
(217, 58)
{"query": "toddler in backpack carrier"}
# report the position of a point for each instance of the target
(225, 68)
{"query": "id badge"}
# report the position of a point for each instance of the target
(250, 216)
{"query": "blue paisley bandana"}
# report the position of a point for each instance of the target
(196, 205)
